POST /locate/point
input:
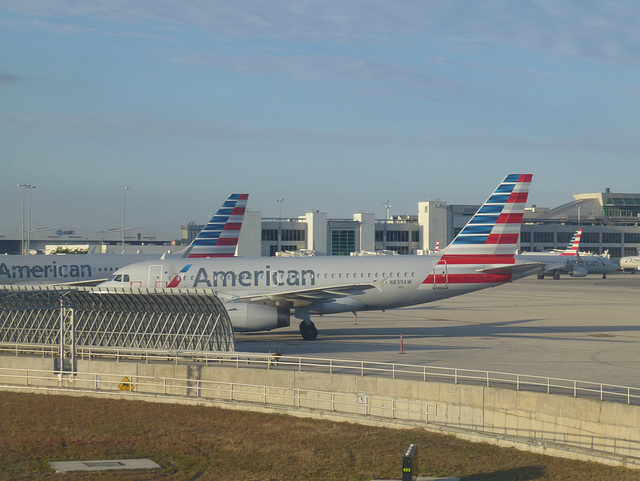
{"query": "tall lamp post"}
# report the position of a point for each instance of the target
(579, 209)
(279, 201)
(387, 206)
(24, 249)
(124, 215)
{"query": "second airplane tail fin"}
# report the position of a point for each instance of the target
(574, 246)
(219, 238)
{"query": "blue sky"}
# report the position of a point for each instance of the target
(331, 105)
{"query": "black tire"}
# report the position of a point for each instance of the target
(309, 331)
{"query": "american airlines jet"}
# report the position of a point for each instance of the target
(630, 263)
(262, 293)
(219, 238)
(556, 263)
(571, 262)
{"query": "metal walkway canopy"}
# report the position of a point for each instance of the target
(193, 320)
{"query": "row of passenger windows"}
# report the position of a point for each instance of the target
(366, 275)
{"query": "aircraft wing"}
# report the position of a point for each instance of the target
(86, 283)
(301, 297)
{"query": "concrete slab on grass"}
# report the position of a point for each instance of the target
(104, 464)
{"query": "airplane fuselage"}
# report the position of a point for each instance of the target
(62, 269)
(386, 281)
(630, 263)
(597, 264)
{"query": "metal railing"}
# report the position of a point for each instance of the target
(350, 404)
(519, 382)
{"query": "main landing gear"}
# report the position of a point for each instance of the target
(556, 275)
(308, 330)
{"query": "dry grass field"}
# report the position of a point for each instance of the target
(205, 443)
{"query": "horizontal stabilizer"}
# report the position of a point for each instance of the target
(513, 269)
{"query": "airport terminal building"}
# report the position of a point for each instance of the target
(609, 222)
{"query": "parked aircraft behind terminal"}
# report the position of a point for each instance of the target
(260, 294)
(219, 238)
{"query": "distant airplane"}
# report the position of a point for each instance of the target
(571, 262)
(556, 263)
(219, 238)
(260, 294)
(630, 263)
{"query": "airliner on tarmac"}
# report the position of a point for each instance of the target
(556, 263)
(571, 262)
(260, 294)
(219, 238)
(630, 263)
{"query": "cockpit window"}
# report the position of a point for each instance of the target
(119, 278)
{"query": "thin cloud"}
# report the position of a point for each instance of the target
(605, 31)
(60, 124)
(8, 78)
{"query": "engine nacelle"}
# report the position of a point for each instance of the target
(247, 317)
(578, 272)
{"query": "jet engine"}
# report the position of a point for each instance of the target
(578, 272)
(247, 317)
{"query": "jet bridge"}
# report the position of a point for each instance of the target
(151, 319)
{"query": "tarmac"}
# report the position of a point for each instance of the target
(586, 329)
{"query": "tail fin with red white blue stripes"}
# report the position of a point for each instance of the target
(483, 253)
(484, 250)
(574, 245)
(219, 238)
(494, 230)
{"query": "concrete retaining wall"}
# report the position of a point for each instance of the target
(592, 429)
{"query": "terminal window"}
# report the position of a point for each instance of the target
(612, 237)
(630, 238)
(543, 237)
(269, 234)
(343, 242)
(293, 235)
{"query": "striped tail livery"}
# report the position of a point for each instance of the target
(488, 243)
(219, 238)
(574, 246)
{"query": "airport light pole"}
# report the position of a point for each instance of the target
(124, 215)
(24, 187)
(279, 201)
(387, 206)
(579, 209)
